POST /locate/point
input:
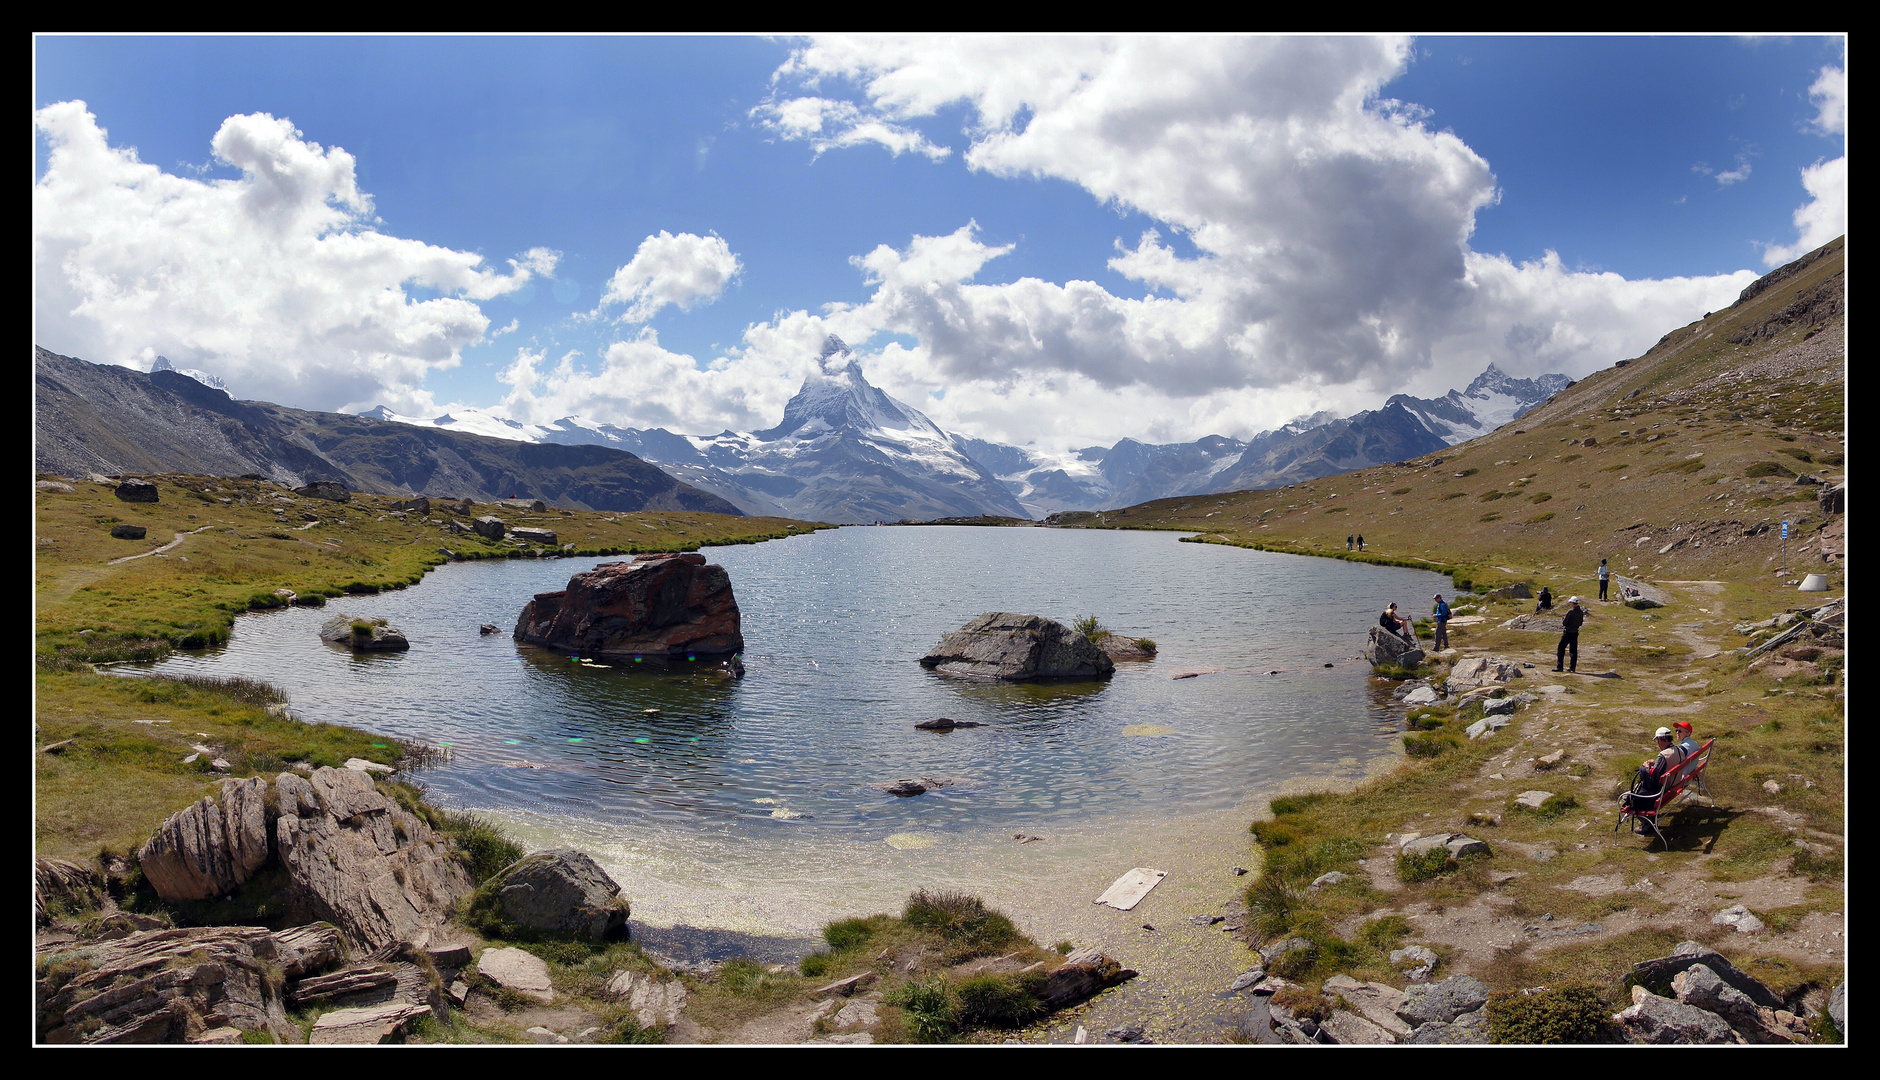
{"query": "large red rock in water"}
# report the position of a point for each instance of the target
(657, 607)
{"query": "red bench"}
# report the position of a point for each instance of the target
(1690, 772)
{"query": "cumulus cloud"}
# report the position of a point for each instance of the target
(679, 270)
(1824, 216)
(1326, 257)
(276, 281)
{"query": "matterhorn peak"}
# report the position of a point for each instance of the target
(835, 356)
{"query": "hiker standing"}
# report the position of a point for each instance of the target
(1360, 541)
(1570, 635)
(1347, 542)
(1442, 625)
(1603, 575)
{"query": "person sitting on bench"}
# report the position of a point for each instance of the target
(1687, 745)
(1652, 772)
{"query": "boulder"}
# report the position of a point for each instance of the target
(656, 1005)
(359, 862)
(301, 950)
(657, 606)
(1636, 593)
(1469, 1028)
(160, 986)
(1737, 917)
(369, 1025)
(330, 490)
(419, 505)
(1478, 671)
(1703, 988)
(1442, 1002)
(1487, 725)
(53, 485)
(206, 850)
(516, 970)
(489, 527)
(1121, 648)
(1659, 973)
(1330, 877)
(1837, 1008)
(137, 491)
(1456, 844)
(1016, 648)
(1415, 961)
(363, 635)
(1653, 1019)
(1422, 695)
(63, 887)
(1082, 975)
(128, 532)
(562, 892)
(1349, 1029)
(1376, 1002)
(1385, 647)
(536, 536)
(527, 506)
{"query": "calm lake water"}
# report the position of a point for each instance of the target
(693, 786)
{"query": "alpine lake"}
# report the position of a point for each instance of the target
(741, 815)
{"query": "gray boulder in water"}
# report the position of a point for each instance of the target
(1388, 648)
(363, 635)
(1015, 648)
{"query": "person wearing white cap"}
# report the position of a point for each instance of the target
(1653, 770)
(1570, 636)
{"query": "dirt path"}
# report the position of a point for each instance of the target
(180, 537)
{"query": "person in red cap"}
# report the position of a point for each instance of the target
(1687, 745)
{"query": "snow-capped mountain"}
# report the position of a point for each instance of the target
(163, 364)
(1493, 399)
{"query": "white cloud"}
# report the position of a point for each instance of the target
(514, 325)
(1824, 216)
(1725, 179)
(276, 281)
(1328, 224)
(680, 270)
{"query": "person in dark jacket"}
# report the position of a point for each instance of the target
(1570, 636)
(1442, 625)
(1546, 601)
(1396, 624)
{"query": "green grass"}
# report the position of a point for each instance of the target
(965, 925)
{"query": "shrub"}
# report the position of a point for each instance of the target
(1274, 833)
(932, 1012)
(1540, 497)
(1274, 903)
(1489, 517)
(1429, 744)
(816, 964)
(361, 628)
(1423, 867)
(1767, 468)
(1572, 1012)
(1294, 804)
(1491, 496)
(969, 927)
(1294, 963)
(1089, 627)
(1454, 495)
(1823, 867)
(481, 846)
(1146, 645)
(1384, 934)
(1468, 472)
(848, 934)
(1002, 1001)
(1400, 491)
(1538, 518)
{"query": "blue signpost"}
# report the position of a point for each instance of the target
(1785, 543)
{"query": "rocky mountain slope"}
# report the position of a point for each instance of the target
(107, 419)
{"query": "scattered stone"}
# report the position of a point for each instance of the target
(128, 532)
(1026, 839)
(1548, 761)
(1246, 979)
(655, 1005)
(1349, 1029)
(1126, 1033)
(420, 505)
(1480, 671)
(1422, 695)
(363, 635)
(1467, 1029)
(1416, 962)
(1533, 799)
(489, 628)
(564, 892)
(1772, 787)
(1442, 1002)
(856, 1038)
(459, 993)
(513, 969)
(1331, 877)
(1487, 725)
(1240, 871)
(658, 607)
(1456, 844)
(1653, 1019)
(1738, 918)
(329, 490)
(908, 787)
(1278, 949)
(359, 764)
(1016, 648)
(1384, 647)
(1699, 986)
(1206, 920)
(137, 491)
(844, 987)
(856, 1014)
(206, 850)
(544, 1035)
(1500, 707)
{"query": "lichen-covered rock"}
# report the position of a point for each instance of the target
(489, 527)
(1653, 1019)
(363, 635)
(359, 862)
(160, 986)
(208, 849)
(1659, 972)
(562, 892)
(657, 607)
(1703, 988)
(1481, 671)
(60, 885)
(1384, 647)
(1016, 648)
(1442, 1002)
(535, 536)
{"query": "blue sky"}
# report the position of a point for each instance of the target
(971, 213)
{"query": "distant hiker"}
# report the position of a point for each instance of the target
(1603, 575)
(1396, 624)
(1347, 542)
(1360, 541)
(1570, 635)
(1546, 601)
(1442, 625)
(1686, 744)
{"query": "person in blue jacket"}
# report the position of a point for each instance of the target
(1442, 625)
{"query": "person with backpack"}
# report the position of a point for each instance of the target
(1570, 635)
(1442, 625)
(1347, 542)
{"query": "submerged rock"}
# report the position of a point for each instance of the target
(657, 607)
(363, 635)
(1015, 648)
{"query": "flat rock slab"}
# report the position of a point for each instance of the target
(1127, 891)
(516, 970)
(371, 1025)
(1350, 1029)
(1533, 799)
(1376, 1002)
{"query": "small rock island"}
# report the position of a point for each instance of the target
(1018, 648)
(655, 607)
